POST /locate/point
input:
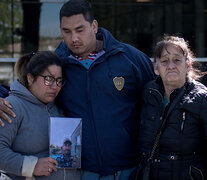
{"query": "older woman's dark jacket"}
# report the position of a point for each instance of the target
(181, 153)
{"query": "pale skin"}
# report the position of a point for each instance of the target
(172, 67)
(80, 37)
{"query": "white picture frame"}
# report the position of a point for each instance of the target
(65, 132)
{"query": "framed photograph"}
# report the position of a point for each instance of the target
(66, 141)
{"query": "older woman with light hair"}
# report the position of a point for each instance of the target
(173, 127)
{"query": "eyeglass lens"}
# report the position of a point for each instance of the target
(49, 80)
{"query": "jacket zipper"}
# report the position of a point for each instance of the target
(98, 152)
(183, 122)
(97, 148)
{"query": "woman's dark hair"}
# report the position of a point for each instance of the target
(74, 7)
(35, 64)
(184, 47)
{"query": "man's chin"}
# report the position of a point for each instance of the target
(76, 50)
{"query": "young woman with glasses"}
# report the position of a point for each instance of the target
(24, 143)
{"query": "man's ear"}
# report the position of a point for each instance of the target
(30, 79)
(95, 26)
(155, 65)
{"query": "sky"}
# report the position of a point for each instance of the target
(62, 128)
(49, 18)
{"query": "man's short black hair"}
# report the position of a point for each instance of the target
(74, 7)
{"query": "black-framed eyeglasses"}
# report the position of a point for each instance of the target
(49, 80)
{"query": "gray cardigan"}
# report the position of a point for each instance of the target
(26, 139)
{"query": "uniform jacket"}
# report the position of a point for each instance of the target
(107, 97)
(4, 91)
(27, 137)
(183, 143)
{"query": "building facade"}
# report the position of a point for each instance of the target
(137, 22)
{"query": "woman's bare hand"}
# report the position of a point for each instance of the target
(45, 166)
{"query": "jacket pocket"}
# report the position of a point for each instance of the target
(196, 173)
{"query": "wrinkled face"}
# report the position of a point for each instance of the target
(172, 66)
(66, 149)
(37, 87)
(78, 34)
